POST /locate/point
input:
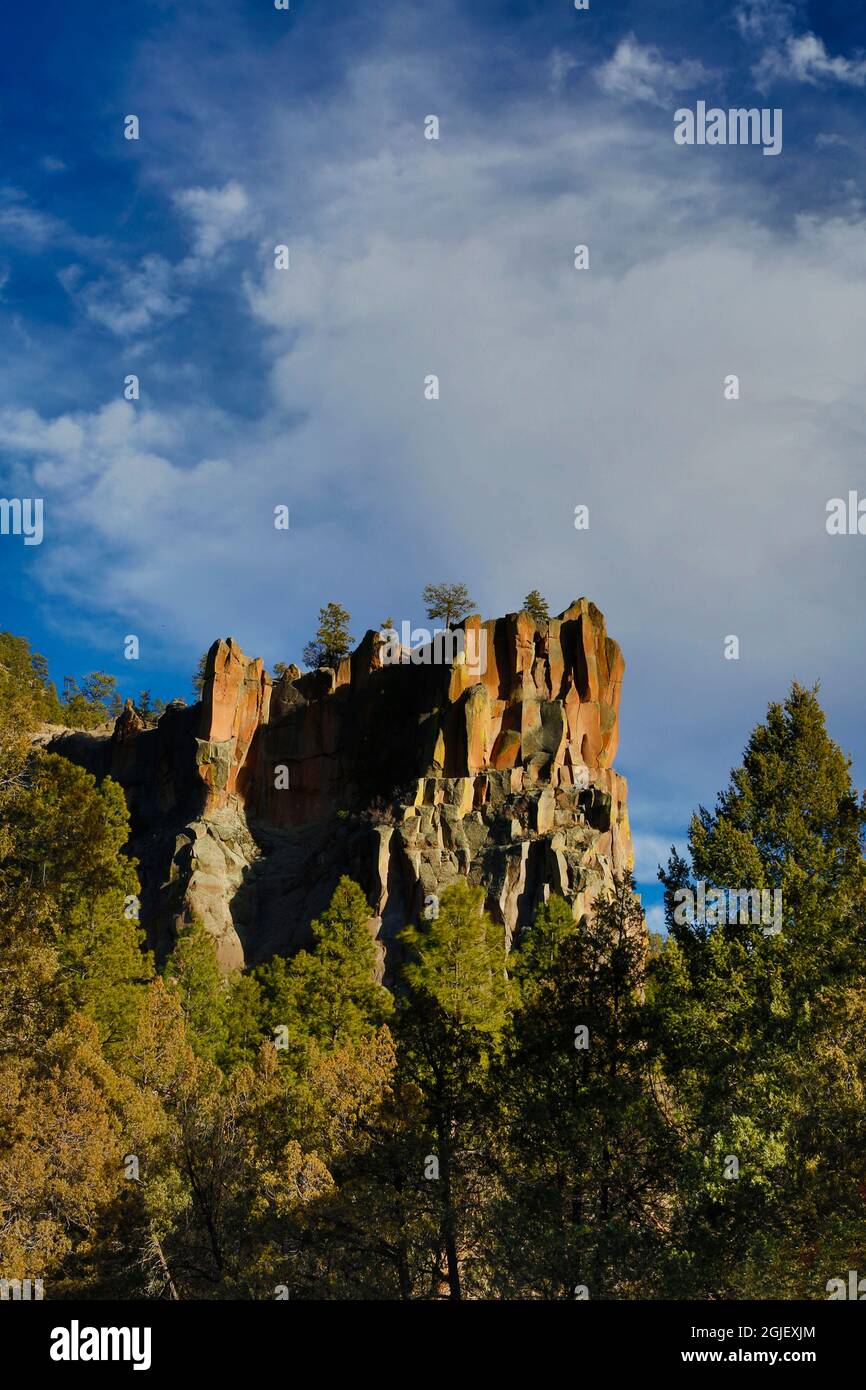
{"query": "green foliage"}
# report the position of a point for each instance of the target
(451, 1026)
(27, 697)
(332, 641)
(458, 963)
(199, 675)
(148, 707)
(536, 606)
(192, 973)
(447, 602)
(328, 995)
(515, 1125)
(244, 1026)
(91, 702)
(737, 1020)
(588, 1150)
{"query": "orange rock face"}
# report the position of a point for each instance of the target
(235, 703)
(543, 696)
(491, 760)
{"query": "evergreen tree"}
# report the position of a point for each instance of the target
(199, 675)
(192, 972)
(332, 641)
(586, 1149)
(244, 1026)
(329, 994)
(448, 602)
(451, 1026)
(536, 606)
(93, 702)
(736, 1002)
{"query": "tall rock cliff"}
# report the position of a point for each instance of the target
(404, 769)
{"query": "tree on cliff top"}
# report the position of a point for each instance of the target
(536, 606)
(199, 675)
(450, 602)
(332, 641)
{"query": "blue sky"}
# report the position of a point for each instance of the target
(454, 257)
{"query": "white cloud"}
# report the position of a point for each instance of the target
(35, 231)
(655, 919)
(23, 224)
(127, 300)
(130, 300)
(789, 55)
(766, 19)
(217, 215)
(642, 73)
(557, 387)
(805, 59)
(649, 852)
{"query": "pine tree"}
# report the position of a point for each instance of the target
(243, 1021)
(199, 674)
(536, 606)
(585, 1147)
(448, 602)
(328, 994)
(451, 1026)
(192, 972)
(742, 1009)
(60, 1153)
(332, 641)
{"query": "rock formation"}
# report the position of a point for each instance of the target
(248, 806)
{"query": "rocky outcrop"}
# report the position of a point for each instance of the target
(488, 754)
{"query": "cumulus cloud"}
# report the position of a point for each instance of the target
(790, 55)
(637, 72)
(127, 300)
(805, 59)
(649, 852)
(557, 388)
(217, 215)
(130, 300)
(655, 919)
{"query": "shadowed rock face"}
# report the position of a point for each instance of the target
(247, 807)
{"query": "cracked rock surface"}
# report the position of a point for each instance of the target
(248, 806)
